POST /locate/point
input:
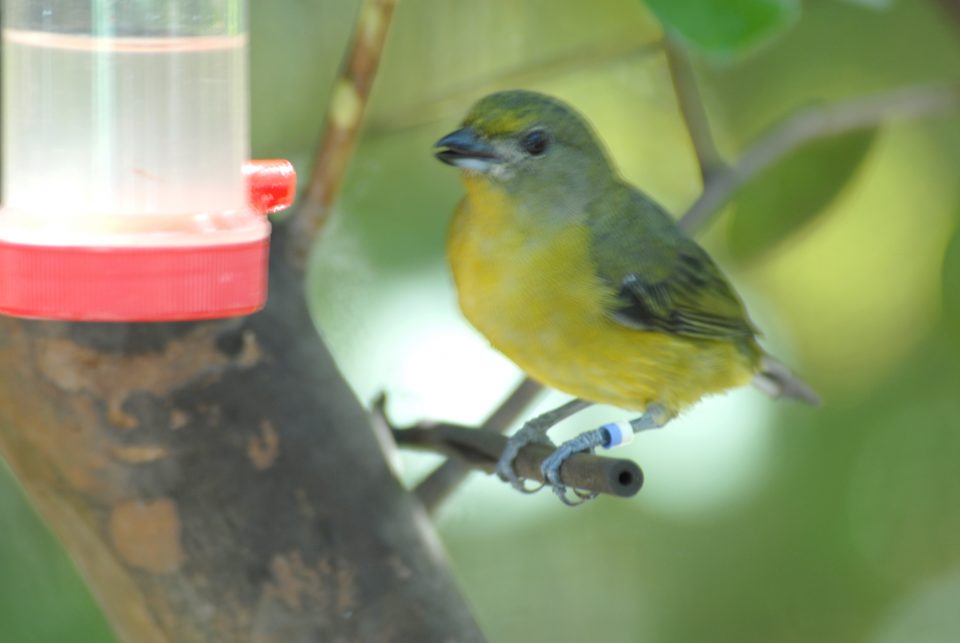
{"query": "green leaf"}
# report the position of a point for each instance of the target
(789, 194)
(725, 27)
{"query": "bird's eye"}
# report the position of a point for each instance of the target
(536, 142)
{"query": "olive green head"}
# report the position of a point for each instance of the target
(523, 140)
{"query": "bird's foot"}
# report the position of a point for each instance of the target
(550, 467)
(608, 436)
(530, 433)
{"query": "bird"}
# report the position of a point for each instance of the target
(587, 283)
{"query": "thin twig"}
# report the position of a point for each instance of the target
(437, 486)
(812, 124)
(481, 450)
(692, 109)
(348, 103)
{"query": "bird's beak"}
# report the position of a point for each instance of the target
(466, 149)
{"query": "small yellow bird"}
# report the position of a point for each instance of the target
(585, 282)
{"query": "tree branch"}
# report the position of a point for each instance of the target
(692, 108)
(812, 124)
(437, 486)
(348, 104)
(481, 449)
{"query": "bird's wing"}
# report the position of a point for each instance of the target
(661, 278)
(689, 301)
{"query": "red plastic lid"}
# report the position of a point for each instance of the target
(147, 283)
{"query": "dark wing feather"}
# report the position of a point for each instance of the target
(683, 304)
(663, 280)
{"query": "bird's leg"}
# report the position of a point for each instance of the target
(532, 431)
(607, 436)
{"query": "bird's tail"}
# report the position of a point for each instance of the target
(776, 380)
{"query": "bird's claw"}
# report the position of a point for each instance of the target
(526, 435)
(550, 468)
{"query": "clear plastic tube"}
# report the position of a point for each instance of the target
(125, 117)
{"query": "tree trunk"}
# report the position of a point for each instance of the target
(218, 481)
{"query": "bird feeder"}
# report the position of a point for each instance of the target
(127, 190)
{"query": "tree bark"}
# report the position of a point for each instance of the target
(218, 481)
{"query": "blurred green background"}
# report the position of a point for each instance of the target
(759, 521)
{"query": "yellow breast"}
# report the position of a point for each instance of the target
(534, 293)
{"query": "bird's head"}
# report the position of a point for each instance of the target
(525, 141)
